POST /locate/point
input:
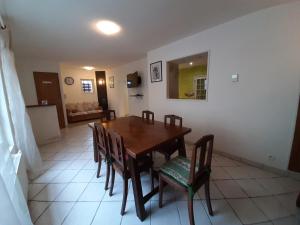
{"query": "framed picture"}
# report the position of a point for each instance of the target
(111, 82)
(156, 71)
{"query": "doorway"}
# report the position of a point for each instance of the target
(294, 164)
(48, 92)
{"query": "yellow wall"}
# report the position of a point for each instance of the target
(186, 79)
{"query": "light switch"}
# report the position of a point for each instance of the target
(234, 77)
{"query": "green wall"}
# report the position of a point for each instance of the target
(186, 79)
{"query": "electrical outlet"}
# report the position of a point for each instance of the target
(271, 158)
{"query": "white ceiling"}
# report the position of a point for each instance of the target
(61, 30)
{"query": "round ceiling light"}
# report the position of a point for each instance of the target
(88, 67)
(108, 27)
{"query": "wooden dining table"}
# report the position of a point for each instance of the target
(142, 137)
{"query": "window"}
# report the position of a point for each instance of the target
(87, 86)
(187, 77)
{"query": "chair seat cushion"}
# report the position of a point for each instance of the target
(178, 169)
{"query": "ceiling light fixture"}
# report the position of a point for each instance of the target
(108, 27)
(88, 68)
(191, 63)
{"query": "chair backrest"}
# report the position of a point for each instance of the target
(172, 120)
(202, 163)
(101, 138)
(148, 115)
(116, 148)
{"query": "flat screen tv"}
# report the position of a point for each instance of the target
(133, 80)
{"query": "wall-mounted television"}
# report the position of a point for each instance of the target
(133, 80)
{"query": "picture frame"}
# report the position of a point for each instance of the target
(111, 82)
(156, 71)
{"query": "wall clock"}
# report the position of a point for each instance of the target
(69, 80)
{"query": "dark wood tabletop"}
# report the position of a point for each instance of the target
(142, 137)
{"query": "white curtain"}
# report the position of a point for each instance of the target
(22, 129)
(16, 139)
(13, 206)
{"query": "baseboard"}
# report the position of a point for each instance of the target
(271, 169)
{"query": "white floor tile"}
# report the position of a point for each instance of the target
(47, 176)
(230, 189)
(72, 192)
(223, 213)
(214, 192)
(130, 215)
(108, 213)
(92, 165)
(50, 192)
(218, 173)
(37, 208)
(288, 202)
(271, 207)
(292, 220)
(34, 189)
(247, 211)
(290, 185)
(55, 214)
(65, 176)
(237, 172)
(82, 213)
(77, 164)
(200, 215)
(253, 188)
(168, 214)
(84, 176)
(272, 185)
(93, 192)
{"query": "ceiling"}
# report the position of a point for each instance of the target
(62, 30)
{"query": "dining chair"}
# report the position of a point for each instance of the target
(119, 160)
(102, 148)
(109, 115)
(189, 175)
(148, 115)
(171, 148)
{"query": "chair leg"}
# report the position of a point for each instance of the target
(99, 164)
(152, 178)
(125, 193)
(161, 190)
(107, 175)
(113, 173)
(191, 210)
(207, 196)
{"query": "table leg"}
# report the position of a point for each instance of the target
(137, 189)
(298, 201)
(182, 150)
(95, 146)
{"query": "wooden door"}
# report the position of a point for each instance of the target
(48, 90)
(294, 164)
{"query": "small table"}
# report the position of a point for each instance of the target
(140, 138)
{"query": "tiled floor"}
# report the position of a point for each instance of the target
(69, 192)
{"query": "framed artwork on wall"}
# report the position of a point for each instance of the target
(156, 71)
(111, 82)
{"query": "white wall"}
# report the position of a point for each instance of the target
(73, 93)
(45, 126)
(25, 69)
(255, 117)
(119, 96)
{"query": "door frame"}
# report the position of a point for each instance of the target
(294, 164)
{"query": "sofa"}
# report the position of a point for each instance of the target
(84, 111)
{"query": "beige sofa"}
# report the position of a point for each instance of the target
(83, 111)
